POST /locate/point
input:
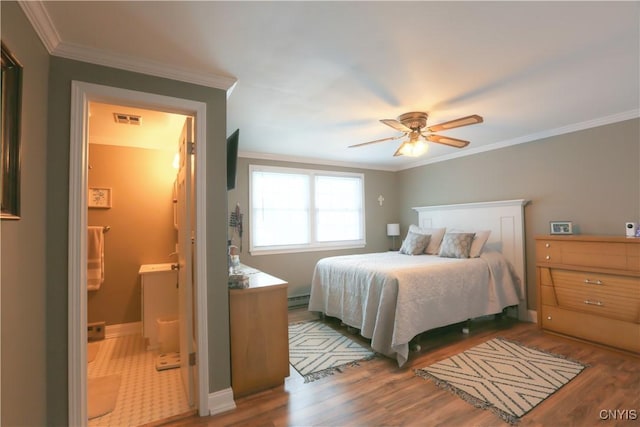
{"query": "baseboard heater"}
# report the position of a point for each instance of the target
(298, 301)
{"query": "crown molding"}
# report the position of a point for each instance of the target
(615, 118)
(144, 66)
(43, 25)
(601, 121)
(313, 161)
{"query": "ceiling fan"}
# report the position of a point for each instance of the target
(412, 125)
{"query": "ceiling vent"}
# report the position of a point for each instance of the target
(127, 119)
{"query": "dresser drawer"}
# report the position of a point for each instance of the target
(590, 327)
(612, 255)
(548, 251)
(598, 302)
(624, 286)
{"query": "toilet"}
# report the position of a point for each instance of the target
(159, 288)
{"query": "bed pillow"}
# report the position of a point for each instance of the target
(456, 245)
(479, 240)
(436, 237)
(415, 243)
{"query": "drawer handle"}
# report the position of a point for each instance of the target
(547, 245)
(547, 257)
(598, 303)
(592, 282)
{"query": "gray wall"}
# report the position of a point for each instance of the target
(22, 281)
(590, 177)
(62, 73)
(297, 268)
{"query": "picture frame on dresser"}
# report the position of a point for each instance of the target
(561, 227)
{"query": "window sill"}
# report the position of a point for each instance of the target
(276, 251)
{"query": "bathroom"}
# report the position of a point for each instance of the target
(132, 173)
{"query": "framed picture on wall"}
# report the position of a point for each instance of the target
(11, 112)
(561, 227)
(99, 198)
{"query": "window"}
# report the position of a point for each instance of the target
(295, 210)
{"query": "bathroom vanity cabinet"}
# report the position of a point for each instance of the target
(159, 298)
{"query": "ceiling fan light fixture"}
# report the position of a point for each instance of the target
(412, 148)
(412, 125)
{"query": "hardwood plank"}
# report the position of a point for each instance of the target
(379, 393)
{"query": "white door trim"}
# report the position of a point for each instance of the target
(81, 94)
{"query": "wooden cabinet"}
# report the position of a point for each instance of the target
(589, 288)
(259, 334)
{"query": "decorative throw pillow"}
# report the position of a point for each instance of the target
(456, 245)
(478, 243)
(436, 237)
(479, 240)
(414, 243)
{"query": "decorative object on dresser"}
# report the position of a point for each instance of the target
(631, 229)
(589, 288)
(259, 333)
(561, 227)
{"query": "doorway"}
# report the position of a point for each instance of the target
(82, 95)
(134, 378)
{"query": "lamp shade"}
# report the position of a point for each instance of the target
(393, 229)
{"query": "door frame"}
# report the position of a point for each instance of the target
(81, 94)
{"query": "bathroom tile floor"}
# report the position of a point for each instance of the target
(145, 394)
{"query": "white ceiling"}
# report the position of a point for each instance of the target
(315, 77)
(155, 130)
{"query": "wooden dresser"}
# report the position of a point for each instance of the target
(259, 334)
(589, 288)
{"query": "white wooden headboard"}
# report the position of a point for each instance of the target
(505, 219)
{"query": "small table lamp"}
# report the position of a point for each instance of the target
(393, 230)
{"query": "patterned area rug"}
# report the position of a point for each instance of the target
(317, 350)
(503, 376)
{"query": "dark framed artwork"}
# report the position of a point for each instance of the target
(11, 110)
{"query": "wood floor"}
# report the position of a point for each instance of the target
(378, 393)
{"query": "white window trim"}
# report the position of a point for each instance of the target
(315, 246)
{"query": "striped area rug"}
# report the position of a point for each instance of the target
(317, 350)
(503, 376)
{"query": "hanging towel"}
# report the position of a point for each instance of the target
(95, 257)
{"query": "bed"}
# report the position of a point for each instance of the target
(392, 297)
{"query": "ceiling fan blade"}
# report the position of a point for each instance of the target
(453, 142)
(396, 125)
(463, 121)
(376, 141)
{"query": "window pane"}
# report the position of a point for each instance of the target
(280, 209)
(338, 206)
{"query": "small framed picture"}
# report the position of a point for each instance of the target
(561, 227)
(99, 198)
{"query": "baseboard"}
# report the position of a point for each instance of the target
(122, 329)
(221, 401)
(298, 301)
